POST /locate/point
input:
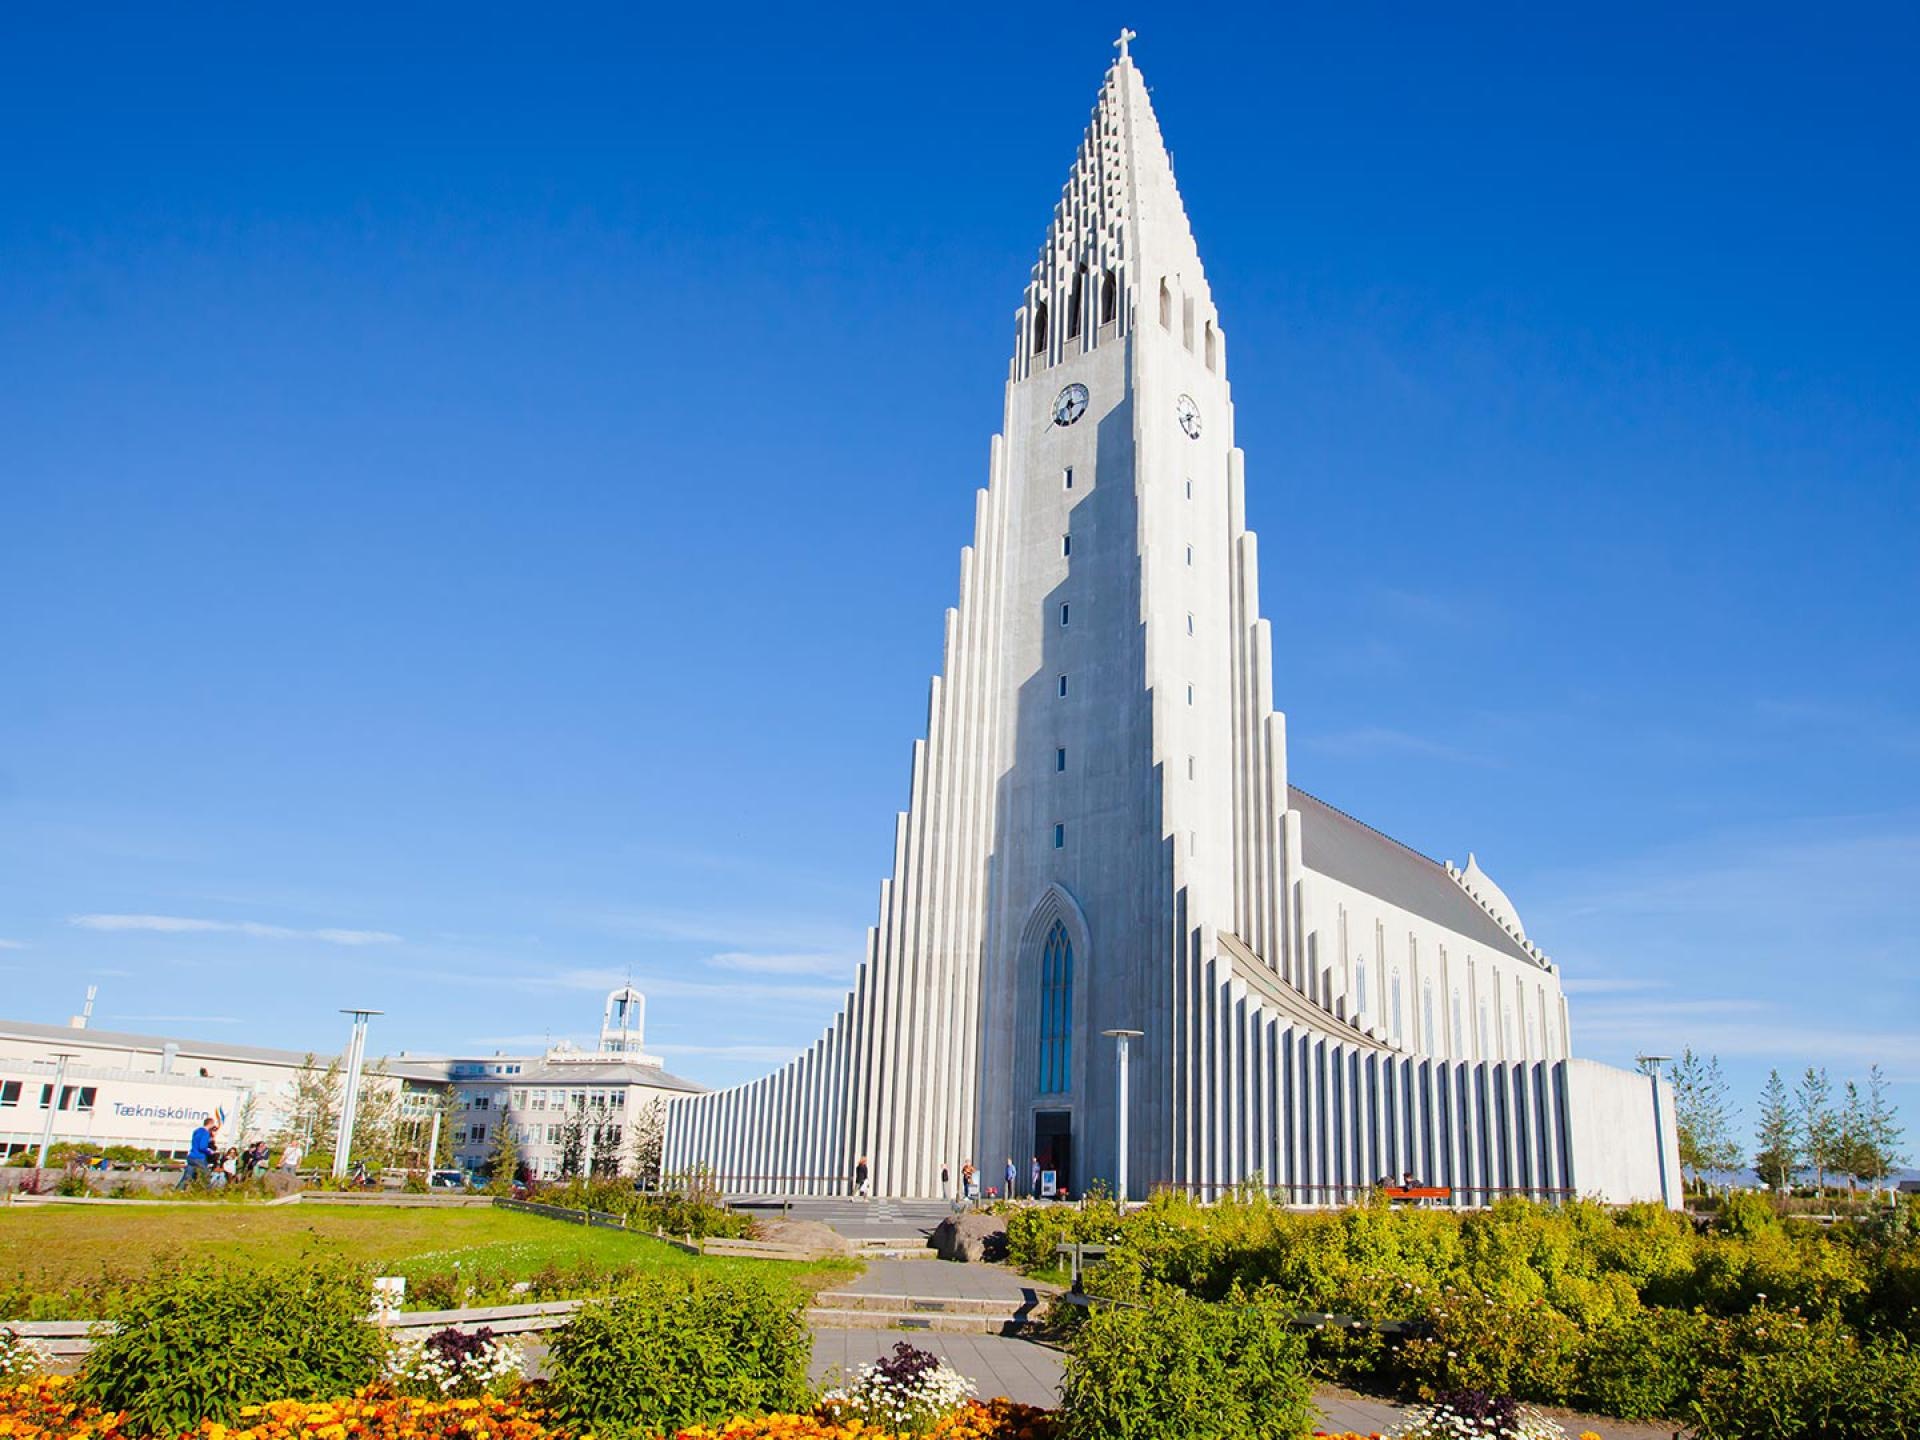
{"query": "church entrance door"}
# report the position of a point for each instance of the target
(1053, 1145)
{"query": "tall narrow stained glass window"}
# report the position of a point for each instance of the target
(1056, 1011)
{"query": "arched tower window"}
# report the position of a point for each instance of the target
(1040, 328)
(1077, 303)
(1056, 1011)
(1109, 298)
(1166, 305)
(1213, 352)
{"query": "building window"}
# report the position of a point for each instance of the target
(481, 1102)
(1056, 1012)
(1359, 986)
(1396, 1008)
(1190, 764)
(1189, 622)
(479, 1133)
(1063, 687)
(10, 1092)
(553, 1134)
(1427, 1037)
(1189, 489)
(1059, 759)
(1459, 1025)
(1189, 694)
(1166, 305)
(1066, 476)
(1066, 544)
(1065, 612)
(1109, 298)
(1059, 837)
(88, 1093)
(1040, 328)
(1189, 554)
(1486, 1034)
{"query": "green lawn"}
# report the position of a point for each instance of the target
(68, 1261)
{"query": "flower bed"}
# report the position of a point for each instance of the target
(50, 1409)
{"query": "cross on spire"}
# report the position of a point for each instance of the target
(1126, 37)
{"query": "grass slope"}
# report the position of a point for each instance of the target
(65, 1262)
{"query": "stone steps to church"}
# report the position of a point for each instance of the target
(1004, 1322)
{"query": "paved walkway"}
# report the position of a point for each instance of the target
(997, 1364)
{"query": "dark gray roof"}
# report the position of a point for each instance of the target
(1342, 848)
(583, 1072)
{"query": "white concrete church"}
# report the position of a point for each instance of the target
(1102, 835)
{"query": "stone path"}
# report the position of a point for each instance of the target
(944, 1280)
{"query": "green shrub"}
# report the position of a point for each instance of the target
(679, 1350)
(1179, 1366)
(1645, 1365)
(1773, 1375)
(199, 1344)
(1526, 1350)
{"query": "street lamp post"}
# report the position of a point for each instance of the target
(350, 1101)
(1124, 1038)
(1651, 1064)
(53, 1101)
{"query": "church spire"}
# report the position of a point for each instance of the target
(1119, 239)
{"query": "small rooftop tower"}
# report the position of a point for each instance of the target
(623, 1024)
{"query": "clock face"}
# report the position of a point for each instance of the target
(1189, 414)
(1070, 404)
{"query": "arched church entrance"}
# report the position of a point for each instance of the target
(1053, 1148)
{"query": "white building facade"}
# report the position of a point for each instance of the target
(599, 1101)
(1102, 835)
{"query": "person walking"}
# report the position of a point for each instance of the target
(199, 1152)
(1012, 1176)
(946, 1181)
(860, 1177)
(1035, 1191)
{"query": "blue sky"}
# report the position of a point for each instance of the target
(478, 489)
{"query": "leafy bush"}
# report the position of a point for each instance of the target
(693, 1211)
(1179, 1366)
(678, 1350)
(1777, 1375)
(1529, 1351)
(1644, 1366)
(199, 1344)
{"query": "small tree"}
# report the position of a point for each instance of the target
(1777, 1155)
(1813, 1102)
(1850, 1142)
(573, 1144)
(606, 1148)
(1883, 1130)
(313, 1110)
(1703, 1123)
(504, 1159)
(647, 1135)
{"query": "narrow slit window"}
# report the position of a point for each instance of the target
(1059, 837)
(1189, 554)
(1066, 544)
(1190, 622)
(1063, 687)
(1067, 476)
(1189, 694)
(1060, 758)
(1066, 614)
(1189, 489)
(1190, 767)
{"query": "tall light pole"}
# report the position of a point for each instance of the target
(1651, 1064)
(53, 1101)
(1125, 1038)
(350, 1101)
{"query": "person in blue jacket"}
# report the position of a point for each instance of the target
(200, 1152)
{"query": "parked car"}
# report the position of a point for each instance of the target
(450, 1180)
